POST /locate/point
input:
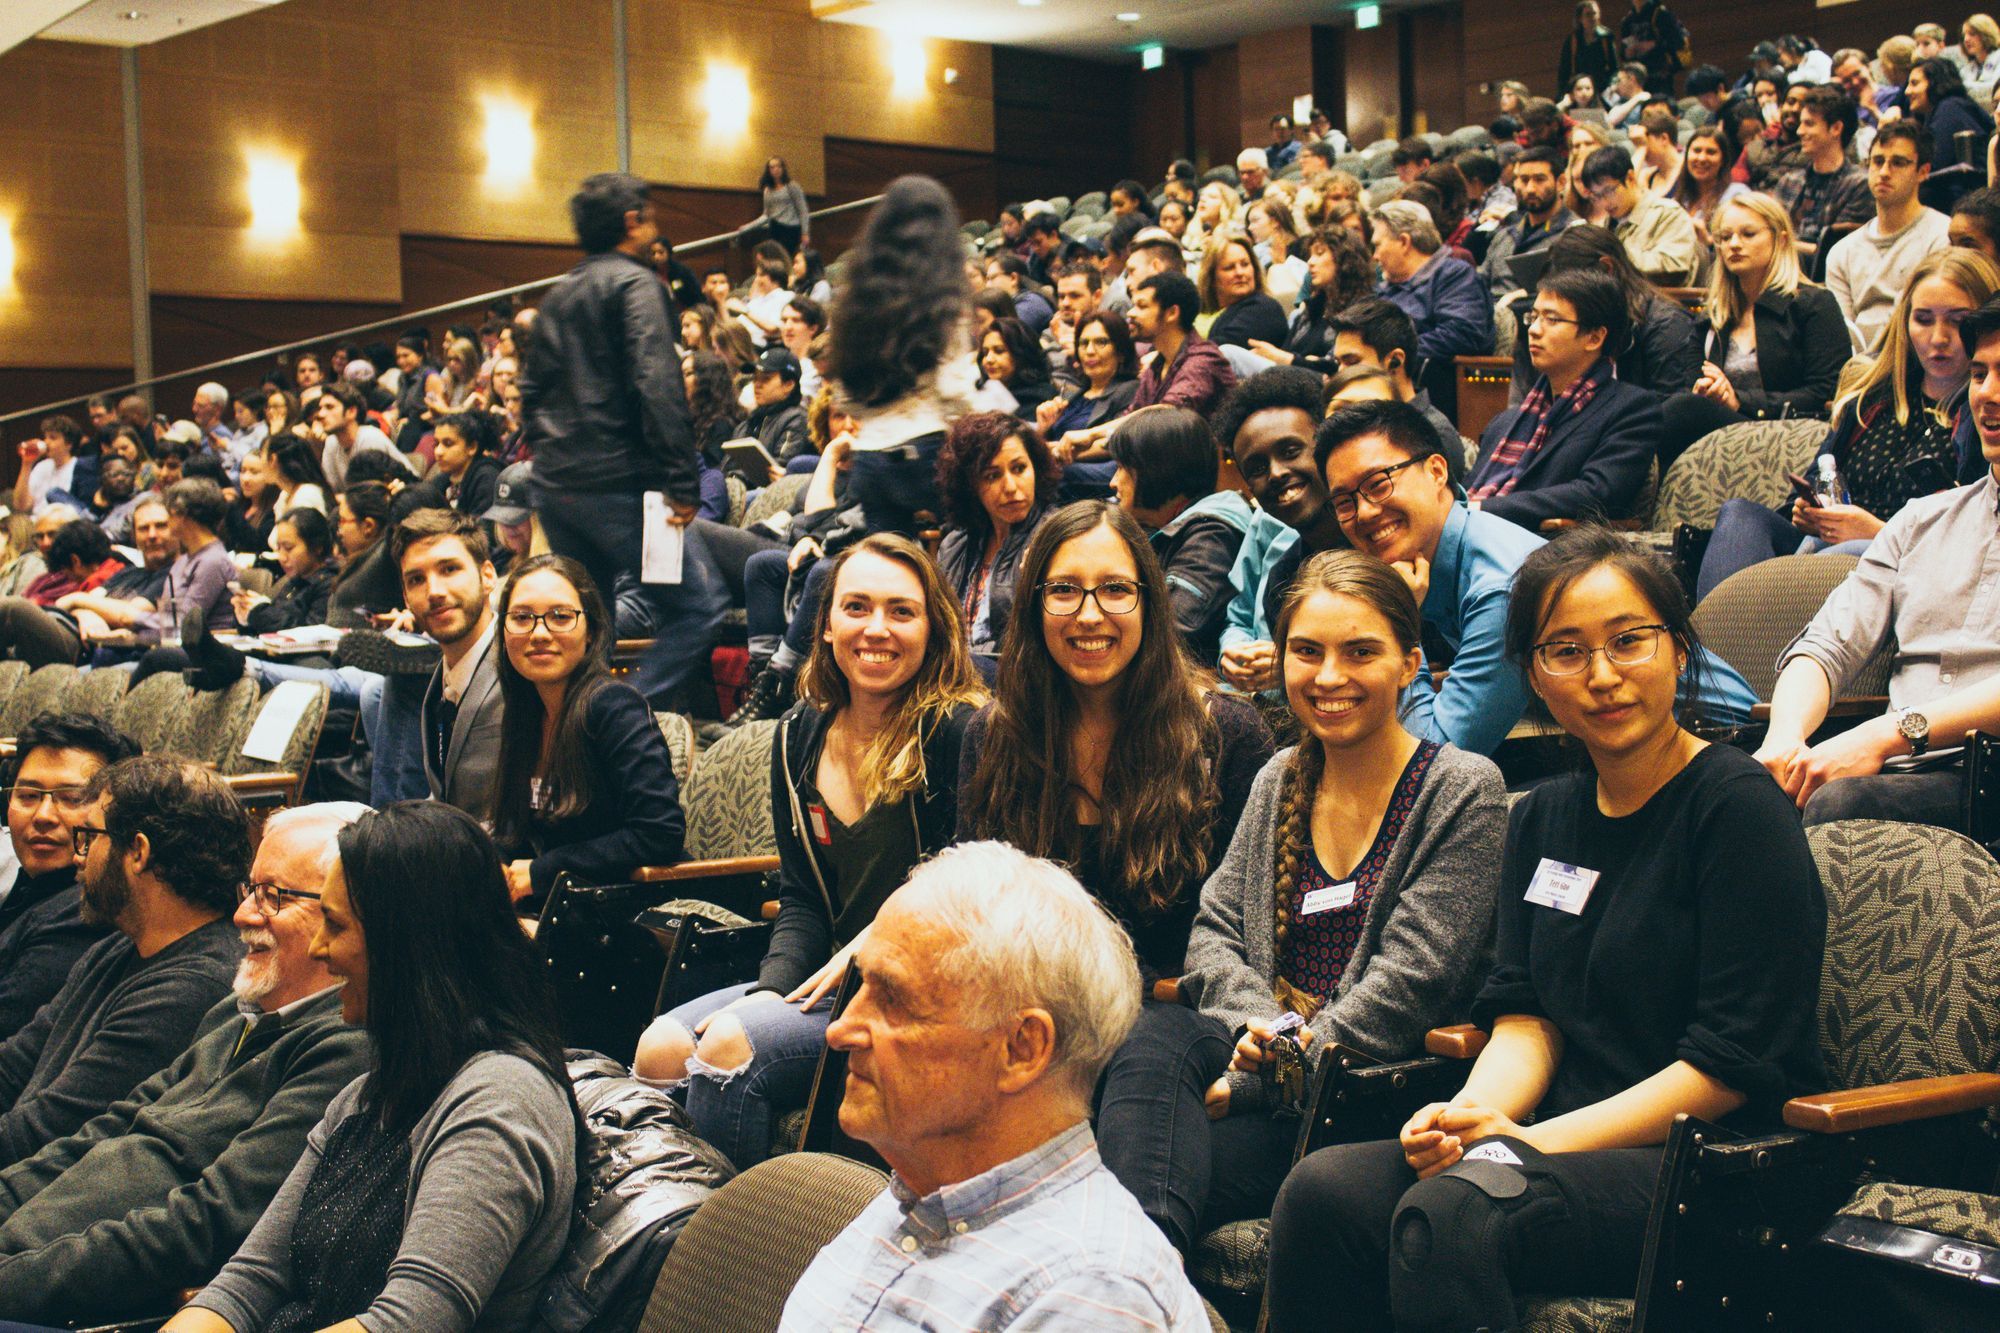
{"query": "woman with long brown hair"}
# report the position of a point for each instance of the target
(1361, 905)
(1107, 750)
(864, 785)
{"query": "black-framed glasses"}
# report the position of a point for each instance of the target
(269, 898)
(82, 836)
(1628, 647)
(560, 620)
(1534, 317)
(27, 796)
(1114, 597)
(1376, 488)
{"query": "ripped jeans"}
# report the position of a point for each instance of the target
(734, 1110)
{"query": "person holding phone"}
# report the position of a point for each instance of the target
(1894, 435)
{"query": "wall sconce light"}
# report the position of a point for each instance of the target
(274, 194)
(727, 95)
(908, 65)
(510, 142)
(950, 75)
(6, 254)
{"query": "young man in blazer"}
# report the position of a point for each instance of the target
(1581, 444)
(448, 585)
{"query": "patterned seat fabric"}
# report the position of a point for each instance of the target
(776, 498)
(1754, 613)
(40, 693)
(298, 746)
(1912, 952)
(739, 496)
(151, 709)
(97, 693)
(678, 733)
(1746, 461)
(1233, 1258)
(214, 724)
(11, 676)
(1575, 1314)
(1959, 1214)
(728, 796)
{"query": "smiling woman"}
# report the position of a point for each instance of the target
(864, 788)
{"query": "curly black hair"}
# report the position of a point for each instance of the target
(970, 445)
(906, 294)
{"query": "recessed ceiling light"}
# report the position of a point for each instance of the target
(1129, 16)
(133, 15)
(1031, 3)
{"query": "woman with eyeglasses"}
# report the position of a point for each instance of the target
(585, 783)
(1106, 749)
(1639, 974)
(436, 1192)
(865, 785)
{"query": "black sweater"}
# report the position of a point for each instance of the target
(1160, 938)
(1701, 940)
(294, 602)
(634, 818)
(1255, 316)
(117, 1020)
(813, 920)
(42, 935)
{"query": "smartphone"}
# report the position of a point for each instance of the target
(1802, 489)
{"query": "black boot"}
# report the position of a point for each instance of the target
(212, 665)
(769, 696)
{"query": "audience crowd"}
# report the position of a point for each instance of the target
(1153, 637)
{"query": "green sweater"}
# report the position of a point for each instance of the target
(156, 1194)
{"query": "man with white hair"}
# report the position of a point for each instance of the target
(210, 411)
(157, 1193)
(1253, 171)
(1440, 292)
(973, 1046)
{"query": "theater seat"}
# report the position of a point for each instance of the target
(41, 691)
(1746, 461)
(1754, 613)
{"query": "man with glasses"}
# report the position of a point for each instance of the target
(1868, 270)
(42, 930)
(1658, 236)
(1580, 445)
(156, 1194)
(159, 853)
(1391, 491)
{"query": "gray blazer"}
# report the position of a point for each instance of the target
(472, 757)
(1428, 939)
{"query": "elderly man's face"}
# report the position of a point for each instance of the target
(206, 411)
(1252, 176)
(153, 532)
(920, 1080)
(46, 528)
(277, 925)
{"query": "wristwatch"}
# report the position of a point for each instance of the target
(1915, 728)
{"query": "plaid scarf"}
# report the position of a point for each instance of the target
(1537, 416)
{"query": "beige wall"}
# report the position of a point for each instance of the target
(380, 103)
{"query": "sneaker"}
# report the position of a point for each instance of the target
(368, 649)
(769, 696)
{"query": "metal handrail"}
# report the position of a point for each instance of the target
(405, 319)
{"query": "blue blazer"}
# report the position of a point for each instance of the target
(1593, 465)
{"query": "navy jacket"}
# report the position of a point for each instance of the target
(1450, 306)
(1593, 464)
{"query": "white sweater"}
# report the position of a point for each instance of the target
(1867, 272)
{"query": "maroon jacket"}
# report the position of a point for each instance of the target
(1197, 379)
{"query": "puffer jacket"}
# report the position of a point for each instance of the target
(647, 1173)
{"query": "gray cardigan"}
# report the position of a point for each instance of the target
(492, 1174)
(1428, 938)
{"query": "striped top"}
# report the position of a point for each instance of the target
(1048, 1240)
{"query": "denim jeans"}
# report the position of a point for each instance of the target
(1085, 481)
(893, 485)
(1152, 1129)
(604, 531)
(344, 685)
(1747, 533)
(392, 719)
(734, 1110)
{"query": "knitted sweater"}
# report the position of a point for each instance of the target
(1428, 937)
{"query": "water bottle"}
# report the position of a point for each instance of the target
(1828, 486)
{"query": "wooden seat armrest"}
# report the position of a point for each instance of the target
(1892, 1103)
(1551, 526)
(769, 911)
(1855, 705)
(726, 865)
(1167, 990)
(276, 783)
(1461, 1041)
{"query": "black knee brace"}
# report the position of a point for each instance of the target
(1450, 1244)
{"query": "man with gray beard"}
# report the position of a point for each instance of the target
(157, 1193)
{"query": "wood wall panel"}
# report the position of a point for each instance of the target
(1374, 90)
(1437, 49)
(1271, 69)
(1218, 107)
(1060, 125)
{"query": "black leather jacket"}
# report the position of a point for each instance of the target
(601, 386)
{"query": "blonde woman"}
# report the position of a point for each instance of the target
(1979, 49)
(1236, 307)
(1893, 436)
(1215, 209)
(1276, 236)
(1775, 342)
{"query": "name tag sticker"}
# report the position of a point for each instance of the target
(1331, 898)
(1493, 1152)
(822, 831)
(1561, 886)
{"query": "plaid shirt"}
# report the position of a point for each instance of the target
(1537, 415)
(1818, 202)
(1047, 1241)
